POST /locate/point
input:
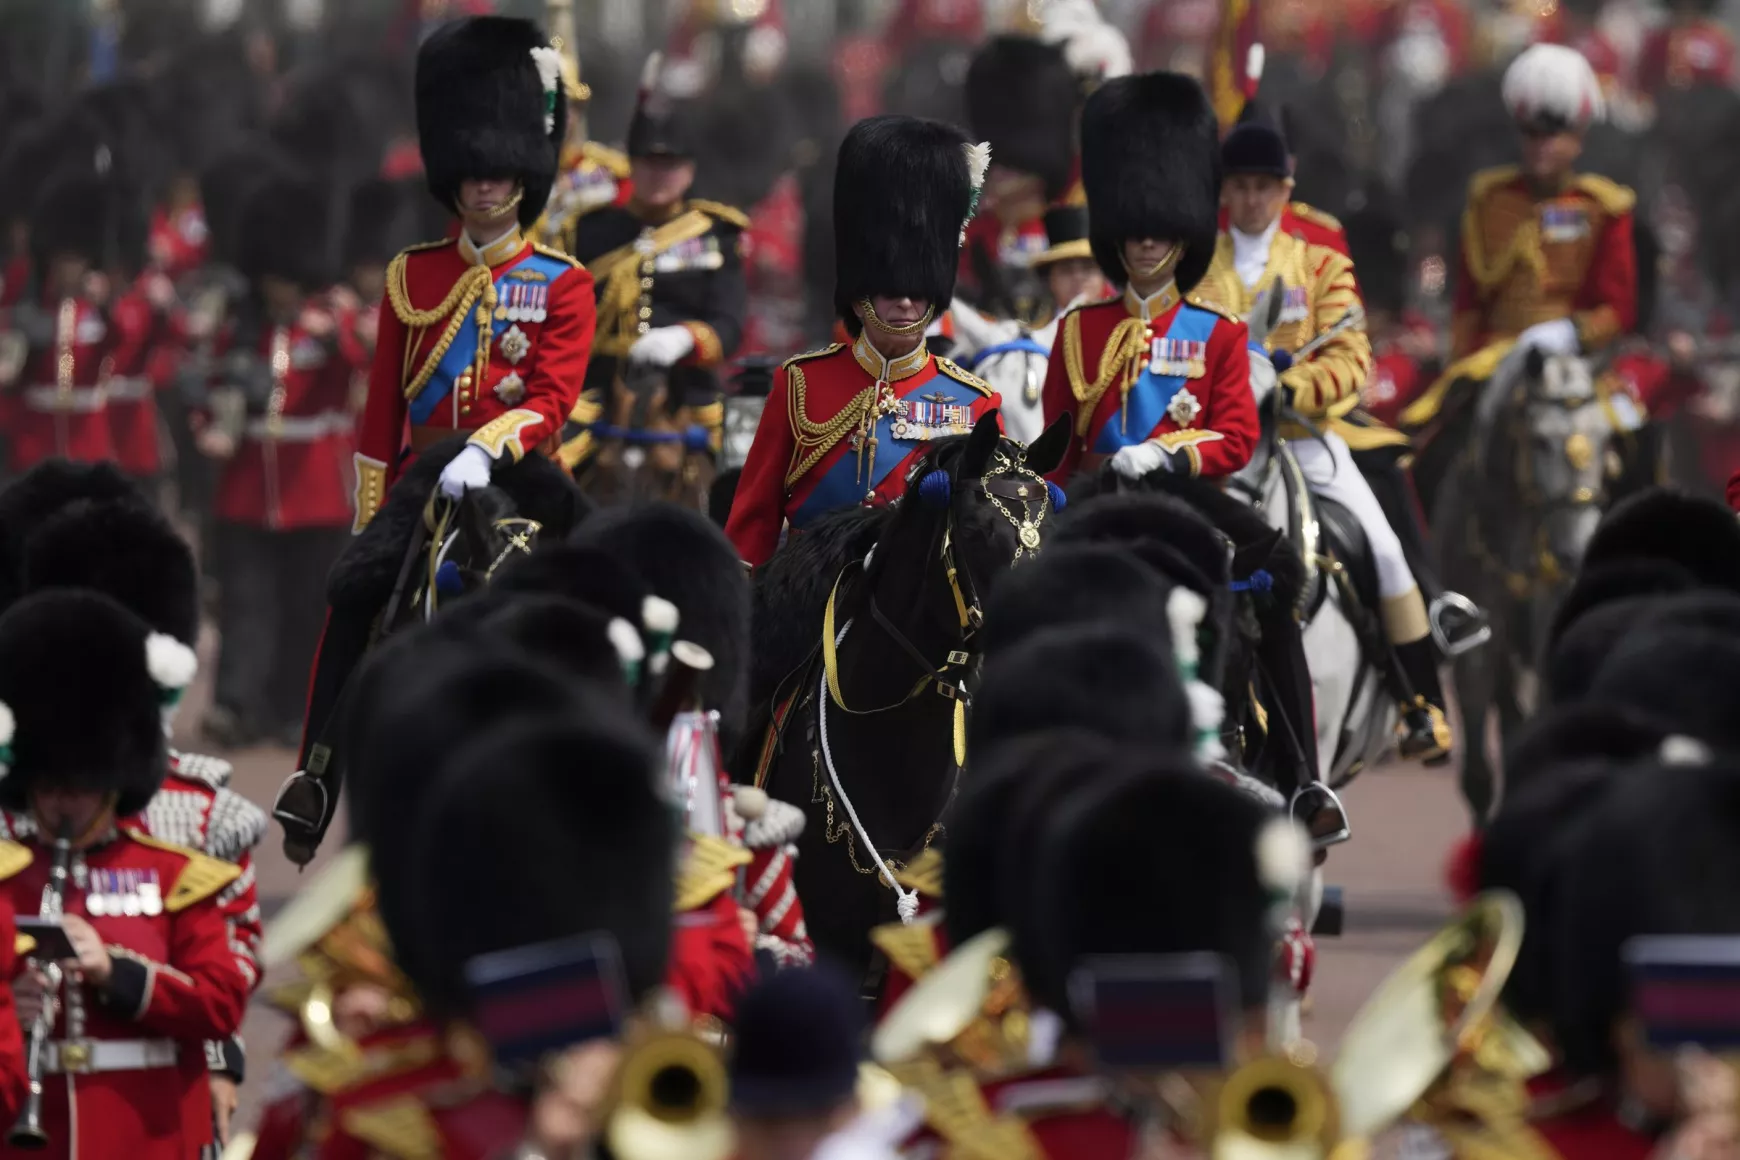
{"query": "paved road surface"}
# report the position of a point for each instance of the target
(1404, 821)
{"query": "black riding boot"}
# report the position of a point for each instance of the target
(1426, 731)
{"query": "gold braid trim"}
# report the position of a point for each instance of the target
(1122, 353)
(814, 440)
(454, 310)
(1525, 243)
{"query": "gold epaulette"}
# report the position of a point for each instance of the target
(1615, 199)
(961, 375)
(956, 1109)
(605, 157)
(808, 355)
(1487, 180)
(909, 946)
(924, 874)
(419, 247)
(202, 877)
(14, 857)
(400, 1127)
(709, 869)
(557, 255)
(1317, 217)
(730, 215)
(1202, 303)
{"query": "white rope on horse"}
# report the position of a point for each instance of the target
(906, 901)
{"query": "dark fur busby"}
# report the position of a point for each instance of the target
(78, 212)
(565, 633)
(364, 573)
(1379, 245)
(285, 232)
(1150, 155)
(1588, 732)
(533, 847)
(31, 499)
(483, 111)
(1256, 144)
(1575, 657)
(683, 556)
(126, 549)
(383, 220)
(1700, 535)
(978, 821)
(1076, 584)
(797, 1044)
(1021, 98)
(1158, 860)
(902, 193)
(85, 683)
(1621, 579)
(1682, 678)
(226, 184)
(582, 574)
(1097, 677)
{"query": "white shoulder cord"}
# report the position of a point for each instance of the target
(906, 900)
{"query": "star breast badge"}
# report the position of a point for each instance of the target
(514, 345)
(1184, 408)
(511, 389)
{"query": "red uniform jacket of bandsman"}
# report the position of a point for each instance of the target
(175, 982)
(59, 408)
(146, 344)
(293, 463)
(179, 241)
(1679, 57)
(531, 375)
(799, 441)
(13, 1081)
(1217, 440)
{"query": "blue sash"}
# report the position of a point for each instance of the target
(463, 352)
(1145, 407)
(939, 407)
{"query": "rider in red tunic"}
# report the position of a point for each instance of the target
(1154, 382)
(844, 425)
(484, 332)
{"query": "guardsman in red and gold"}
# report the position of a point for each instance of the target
(1022, 99)
(486, 332)
(843, 425)
(126, 548)
(1693, 49)
(1154, 382)
(282, 427)
(1548, 259)
(59, 407)
(152, 977)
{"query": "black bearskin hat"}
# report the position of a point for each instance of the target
(125, 549)
(532, 848)
(1159, 860)
(1379, 245)
(1076, 584)
(1681, 677)
(78, 212)
(28, 502)
(684, 557)
(663, 124)
(1256, 145)
(285, 234)
(1150, 154)
(228, 182)
(902, 193)
(85, 683)
(383, 221)
(1021, 98)
(1623, 579)
(1701, 535)
(483, 110)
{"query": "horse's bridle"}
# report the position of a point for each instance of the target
(521, 535)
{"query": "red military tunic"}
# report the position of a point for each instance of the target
(1682, 56)
(141, 364)
(292, 466)
(494, 343)
(179, 240)
(60, 408)
(175, 985)
(1163, 370)
(843, 426)
(1528, 259)
(13, 1081)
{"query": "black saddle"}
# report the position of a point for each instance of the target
(1344, 538)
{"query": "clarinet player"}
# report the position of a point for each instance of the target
(143, 973)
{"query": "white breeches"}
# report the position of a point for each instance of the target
(1329, 468)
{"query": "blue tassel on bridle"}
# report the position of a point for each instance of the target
(1258, 581)
(936, 489)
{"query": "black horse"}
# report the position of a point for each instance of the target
(419, 552)
(866, 655)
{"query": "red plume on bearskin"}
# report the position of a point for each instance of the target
(1462, 868)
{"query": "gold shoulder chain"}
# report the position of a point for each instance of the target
(454, 310)
(1124, 344)
(814, 440)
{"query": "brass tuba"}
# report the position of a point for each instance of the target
(671, 1092)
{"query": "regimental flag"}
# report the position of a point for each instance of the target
(1233, 69)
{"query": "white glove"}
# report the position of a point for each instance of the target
(662, 347)
(1138, 459)
(469, 471)
(1263, 376)
(1627, 413)
(1556, 337)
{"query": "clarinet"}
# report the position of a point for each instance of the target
(27, 1132)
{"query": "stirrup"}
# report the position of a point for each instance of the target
(1458, 624)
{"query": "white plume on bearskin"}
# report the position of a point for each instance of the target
(1553, 81)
